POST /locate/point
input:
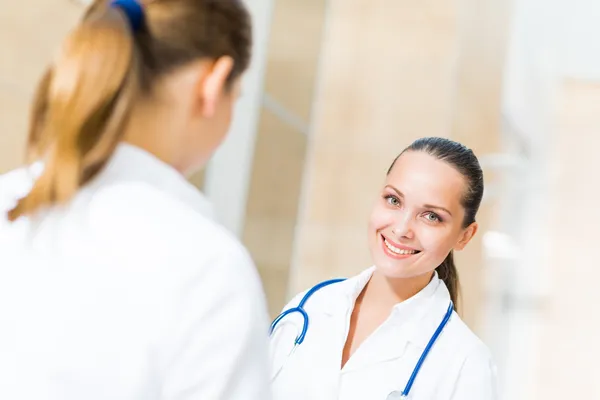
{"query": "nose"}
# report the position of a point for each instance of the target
(403, 227)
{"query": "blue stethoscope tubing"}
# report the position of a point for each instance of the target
(300, 309)
(300, 338)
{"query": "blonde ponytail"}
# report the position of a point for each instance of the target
(80, 107)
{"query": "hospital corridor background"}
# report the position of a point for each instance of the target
(338, 87)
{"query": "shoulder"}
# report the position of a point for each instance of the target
(470, 369)
(457, 338)
(143, 209)
(140, 219)
(332, 288)
(465, 344)
(195, 254)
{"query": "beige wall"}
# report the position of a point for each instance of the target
(273, 200)
(30, 31)
(381, 86)
(483, 41)
(273, 203)
(568, 346)
(411, 70)
(294, 49)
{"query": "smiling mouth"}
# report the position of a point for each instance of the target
(395, 250)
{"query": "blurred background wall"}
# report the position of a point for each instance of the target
(339, 87)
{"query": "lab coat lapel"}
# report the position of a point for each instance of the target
(339, 309)
(409, 324)
(421, 332)
(335, 306)
(386, 346)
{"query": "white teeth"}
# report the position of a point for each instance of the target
(397, 250)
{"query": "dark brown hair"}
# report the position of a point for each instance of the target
(464, 161)
(105, 65)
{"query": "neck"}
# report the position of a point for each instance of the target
(391, 291)
(155, 132)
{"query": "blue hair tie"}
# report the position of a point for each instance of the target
(133, 10)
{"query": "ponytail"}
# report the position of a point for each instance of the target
(449, 274)
(80, 108)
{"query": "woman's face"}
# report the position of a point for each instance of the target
(418, 218)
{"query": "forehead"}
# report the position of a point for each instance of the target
(424, 179)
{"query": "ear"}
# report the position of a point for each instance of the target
(213, 85)
(466, 236)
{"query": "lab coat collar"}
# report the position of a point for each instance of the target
(411, 321)
(347, 292)
(127, 164)
(131, 163)
(410, 309)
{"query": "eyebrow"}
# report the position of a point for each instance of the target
(400, 194)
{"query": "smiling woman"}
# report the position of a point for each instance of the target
(433, 191)
(391, 331)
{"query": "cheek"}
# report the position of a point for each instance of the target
(380, 218)
(438, 242)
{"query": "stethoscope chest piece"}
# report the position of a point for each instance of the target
(396, 395)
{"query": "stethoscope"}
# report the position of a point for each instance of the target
(395, 395)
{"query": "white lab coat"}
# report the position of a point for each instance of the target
(459, 366)
(131, 291)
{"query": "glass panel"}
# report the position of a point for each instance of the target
(272, 206)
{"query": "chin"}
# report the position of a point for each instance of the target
(402, 268)
(394, 269)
